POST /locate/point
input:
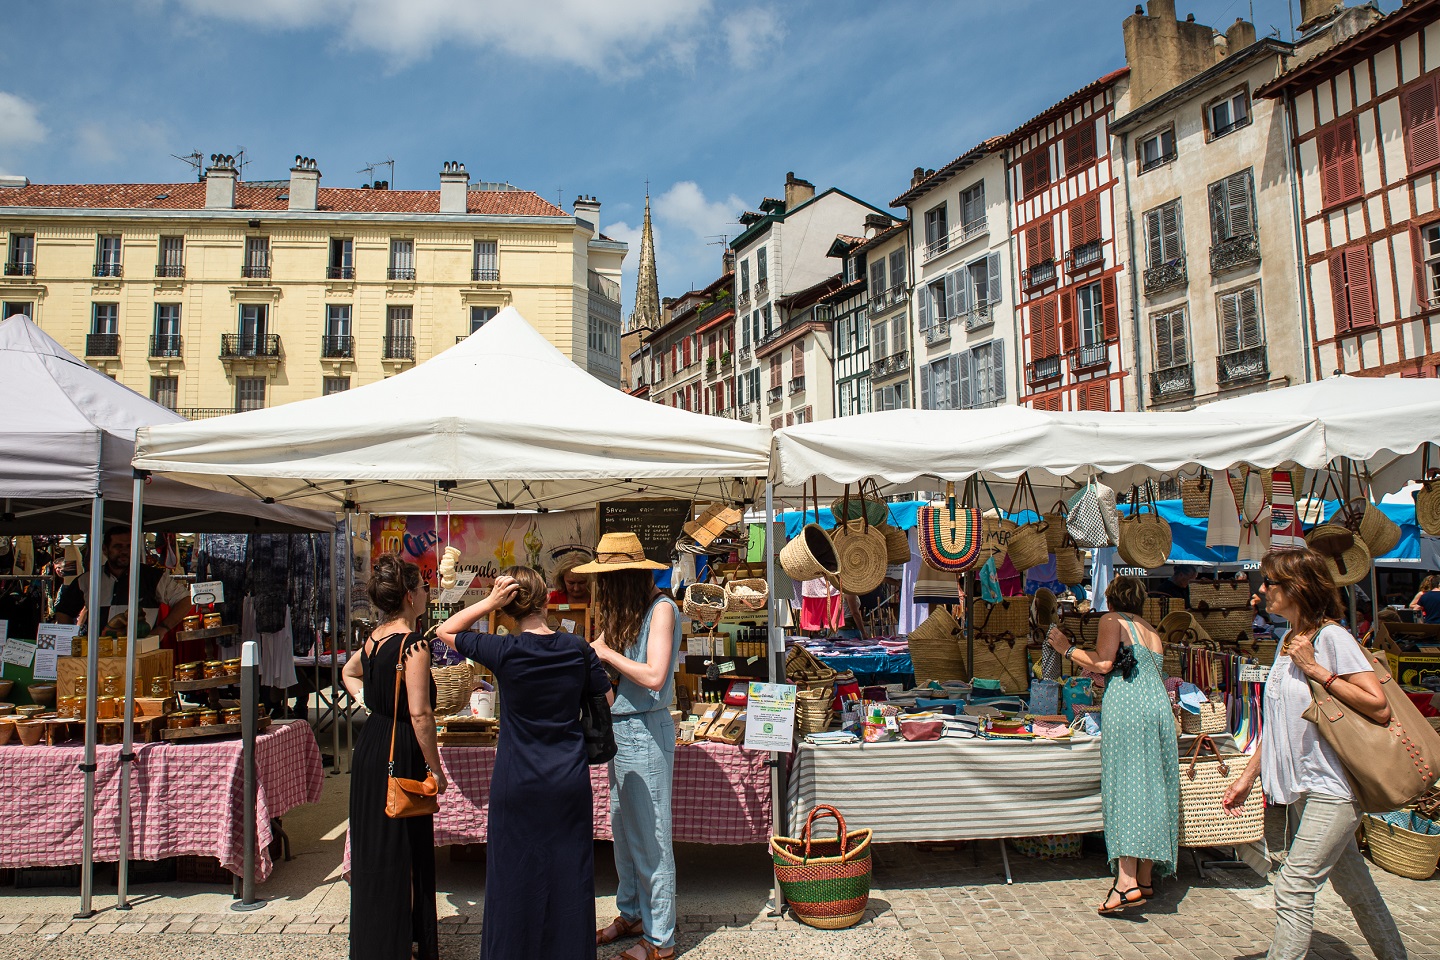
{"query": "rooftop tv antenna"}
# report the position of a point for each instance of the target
(196, 160)
(369, 171)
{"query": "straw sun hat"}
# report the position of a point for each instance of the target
(619, 551)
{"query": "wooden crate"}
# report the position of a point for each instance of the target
(154, 663)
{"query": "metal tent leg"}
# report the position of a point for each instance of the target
(127, 754)
(776, 648)
(92, 668)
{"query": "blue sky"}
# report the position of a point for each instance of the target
(712, 102)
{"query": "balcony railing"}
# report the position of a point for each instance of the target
(743, 300)
(710, 364)
(726, 359)
(958, 237)
(889, 366)
(762, 288)
(937, 332)
(1084, 358)
(102, 345)
(400, 273)
(108, 269)
(19, 268)
(204, 413)
(337, 347)
(1157, 161)
(797, 384)
(336, 272)
(171, 271)
(1087, 255)
(885, 299)
(255, 271)
(716, 309)
(1230, 127)
(979, 317)
(399, 348)
(1040, 274)
(1235, 253)
(746, 353)
(1045, 368)
(1172, 382)
(1171, 273)
(242, 345)
(1242, 365)
(745, 411)
(164, 345)
(773, 394)
(485, 274)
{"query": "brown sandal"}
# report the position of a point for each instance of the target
(618, 929)
(651, 952)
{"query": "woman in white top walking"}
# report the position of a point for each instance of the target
(1297, 767)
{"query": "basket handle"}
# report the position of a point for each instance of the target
(824, 810)
(1200, 745)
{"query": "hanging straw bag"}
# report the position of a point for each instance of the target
(861, 550)
(949, 534)
(812, 553)
(453, 685)
(1212, 718)
(1427, 498)
(1055, 535)
(935, 648)
(704, 603)
(1091, 517)
(1345, 554)
(1203, 782)
(1144, 537)
(1195, 495)
(1001, 634)
(746, 594)
(1362, 517)
(870, 506)
(1027, 545)
(826, 882)
(1069, 567)
(897, 544)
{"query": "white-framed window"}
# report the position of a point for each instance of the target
(983, 375)
(249, 393)
(1430, 258)
(894, 396)
(167, 320)
(107, 255)
(1091, 315)
(165, 391)
(21, 258)
(767, 319)
(402, 259)
(880, 340)
(399, 321)
(172, 257)
(487, 261)
(972, 206)
(257, 258)
(1172, 339)
(1230, 112)
(337, 331)
(984, 282)
(899, 333)
(1232, 207)
(329, 385)
(940, 384)
(603, 337)
(254, 323)
(937, 229)
(479, 316)
(1157, 149)
(1241, 325)
(1164, 235)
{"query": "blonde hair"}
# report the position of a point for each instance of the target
(566, 564)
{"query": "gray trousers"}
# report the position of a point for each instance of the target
(641, 779)
(1324, 848)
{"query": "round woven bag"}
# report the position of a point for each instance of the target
(1427, 507)
(1145, 538)
(1380, 533)
(1027, 546)
(1069, 568)
(810, 555)
(897, 544)
(1349, 564)
(861, 550)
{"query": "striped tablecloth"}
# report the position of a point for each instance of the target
(952, 789)
(185, 799)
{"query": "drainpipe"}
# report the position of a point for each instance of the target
(1134, 278)
(1292, 173)
(1012, 246)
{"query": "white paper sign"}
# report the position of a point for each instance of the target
(462, 583)
(44, 665)
(770, 717)
(1253, 673)
(55, 636)
(19, 652)
(211, 591)
(4, 630)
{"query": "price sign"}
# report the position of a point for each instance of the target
(770, 717)
(462, 583)
(1253, 673)
(210, 591)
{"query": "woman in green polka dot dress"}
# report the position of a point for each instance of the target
(1140, 774)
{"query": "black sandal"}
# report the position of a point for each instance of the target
(1105, 910)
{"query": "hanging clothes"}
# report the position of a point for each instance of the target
(1254, 520)
(1285, 530)
(277, 648)
(822, 607)
(1223, 527)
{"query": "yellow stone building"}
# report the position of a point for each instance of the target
(226, 294)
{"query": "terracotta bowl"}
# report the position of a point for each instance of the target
(7, 730)
(28, 710)
(7, 710)
(31, 731)
(43, 693)
(5, 688)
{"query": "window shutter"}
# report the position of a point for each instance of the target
(1080, 147)
(1340, 179)
(1239, 197)
(877, 277)
(1085, 222)
(1164, 342)
(1154, 239)
(775, 371)
(1043, 335)
(1219, 208)
(897, 267)
(926, 401)
(1249, 310)
(1046, 240)
(1096, 396)
(1422, 281)
(1110, 309)
(1229, 323)
(1329, 166)
(1032, 247)
(1172, 247)
(1339, 301)
(1422, 125)
(997, 372)
(954, 294)
(925, 309)
(797, 360)
(992, 270)
(956, 382)
(1069, 334)
(1359, 286)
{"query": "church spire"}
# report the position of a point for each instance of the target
(647, 287)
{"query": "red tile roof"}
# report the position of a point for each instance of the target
(937, 177)
(1049, 113)
(1386, 30)
(191, 196)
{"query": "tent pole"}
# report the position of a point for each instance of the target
(334, 645)
(92, 668)
(127, 755)
(776, 636)
(349, 605)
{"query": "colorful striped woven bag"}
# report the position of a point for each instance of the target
(826, 882)
(950, 535)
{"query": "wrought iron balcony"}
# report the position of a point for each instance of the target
(979, 317)
(1045, 368)
(762, 288)
(400, 273)
(102, 345)
(485, 274)
(743, 300)
(335, 272)
(241, 346)
(1172, 273)
(938, 332)
(110, 268)
(1173, 382)
(896, 363)
(255, 271)
(1087, 255)
(337, 347)
(745, 353)
(1040, 274)
(773, 394)
(1157, 161)
(717, 308)
(170, 271)
(165, 345)
(399, 348)
(19, 268)
(204, 413)
(1084, 358)
(1235, 253)
(745, 411)
(797, 384)
(1242, 365)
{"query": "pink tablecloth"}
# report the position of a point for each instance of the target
(185, 799)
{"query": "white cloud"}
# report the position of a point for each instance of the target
(751, 34)
(601, 37)
(622, 231)
(100, 142)
(694, 226)
(685, 205)
(19, 122)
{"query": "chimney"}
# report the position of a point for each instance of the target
(454, 186)
(728, 261)
(876, 223)
(1163, 52)
(1240, 35)
(220, 179)
(917, 176)
(13, 181)
(1313, 12)
(304, 184)
(588, 209)
(797, 191)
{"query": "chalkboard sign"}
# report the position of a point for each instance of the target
(656, 522)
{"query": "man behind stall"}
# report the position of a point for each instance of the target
(156, 586)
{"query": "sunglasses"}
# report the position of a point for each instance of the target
(1267, 582)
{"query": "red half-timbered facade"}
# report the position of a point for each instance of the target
(1365, 117)
(1062, 182)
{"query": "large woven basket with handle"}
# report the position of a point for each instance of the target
(827, 882)
(1203, 782)
(452, 688)
(935, 650)
(1404, 843)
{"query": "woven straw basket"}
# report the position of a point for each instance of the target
(1028, 546)
(1219, 595)
(846, 507)
(452, 688)
(1069, 567)
(746, 594)
(1380, 533)
(1145, 541)
(897, 544)
(1211, 719)
(1427, 507)
(826, 882)
(1401, 849)
(704, 602)
(1055, 533)
(935, 647)
(861, 550)
(1203, 782)
(810, 555)
(1002, 631)
(1195, 495)
(1347, 567)
(1228, 626)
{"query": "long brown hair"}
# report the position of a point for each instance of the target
(622, 597)
(1305, 577)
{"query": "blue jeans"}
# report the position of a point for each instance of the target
(640, 788)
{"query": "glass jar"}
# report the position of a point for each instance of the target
(174, 721)
(230, 715)
(106, 646)
(208, 717)
(82, 686)
(63, 709)
(189, 671)
(232, 667)
(112, 685)
(108, 708)
(189, 718)
(212, 620)
(77, 645)
(214, 668)
(160, 687)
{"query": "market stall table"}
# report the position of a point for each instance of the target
(313, 672)
(185, 799)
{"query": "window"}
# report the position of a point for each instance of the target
(1034, 173)
(107, 256)
(897, 268)
(877, 278)
(1420, 116)
(337, 341)
(776, 374)
(685, 352)
(487, 261)
(940, 384)
(167, 331)
(1044, 330)
(1352, 288)
(105, 318)
(1172, 343)
(402, 260)
(249, 393)
(756, 329)
(1231, 112)
(744, 278)
(1340, 179)
(797, 360)
(767, 319)
(10, 308)
(1232, 207)
(753, 378)
(972, 207)
(329, 385)
(1092, 328)
(603, 337)
(878, 340)
(253, 317)
(1240, 327)
(762, 268)
(1084, 222)
(983, 282)
(846, 399)
(257, 258)
(900, 333)
(172, 257)
(937, 230)
(1157, 149)
(21, 261)
(895, 396)
(1164, 235)
(1427, 265)
(936, 300)
(1095, 396)
(165, 391)
(342, 259)
(479, 316)
(1080, 148)
(844, 339)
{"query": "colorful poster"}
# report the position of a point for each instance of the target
(770, 717)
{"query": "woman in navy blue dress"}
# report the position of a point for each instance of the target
(539, 860)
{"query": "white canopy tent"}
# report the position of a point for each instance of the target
(503, 415)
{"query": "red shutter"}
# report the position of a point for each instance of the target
(1050, 402)
(1110, 309)
(1422, 282)
(1043, 336)
(1080, 147)
(776, 423)
(1085, 222)
(1095, 396)
(1360, 286)
(797, 360)
(1032, 247)
(775, 371)
(1422, 124)
(1069, 334)
(1348, 142)
(1339, 303)
(1340, 179)
(1329, 169)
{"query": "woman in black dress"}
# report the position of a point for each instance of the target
(392, 862)
(539, 859)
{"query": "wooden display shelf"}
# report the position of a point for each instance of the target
(206, 683)
(214, 730)
(208, 633)
(147, 729)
